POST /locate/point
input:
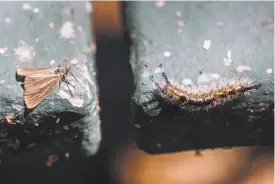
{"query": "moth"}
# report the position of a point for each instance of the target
(40, 82)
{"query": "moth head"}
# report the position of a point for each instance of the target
(183, 98)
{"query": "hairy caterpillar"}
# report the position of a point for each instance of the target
(203, 97)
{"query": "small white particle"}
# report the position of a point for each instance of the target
(52, 62)
(229, 53)
(80, 29)
(227, 61)
(89, 7)
(158, 70)
(2, 82)
(26, 6)
(36, 40)
(269, 70)
(7, 20)
(159, 3)
(187, 82)
(3, 50)
(215, 75)
(67, 30)
(66, 127)
(178, 13)
(74, 61)
(24, 52)
(36, 10)
(206, 44)
(158, 145)
(167, 54)
(243, 68)
(137, 125)
(67, 155)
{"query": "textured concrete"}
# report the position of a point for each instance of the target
(40, 35)
(197, 42)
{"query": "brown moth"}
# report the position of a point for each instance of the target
(40, 82)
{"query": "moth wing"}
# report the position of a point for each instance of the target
(37, 88)
(33, 71)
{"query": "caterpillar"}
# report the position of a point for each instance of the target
(198, 98)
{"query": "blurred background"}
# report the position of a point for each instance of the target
(125, 162)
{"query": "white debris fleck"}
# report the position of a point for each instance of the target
(36, 10)
(227, 61)
(206, 44)
(67, 155)
(74, 61)
(36, 40)
(167, 54)
(269, 70)
(242, 68)
(26, 6)
(24, 52)
(7, 20)
(3, 50)
(215, 75)
(159, 3)
(89, 7)
(80, 29)
(187, 82)
(137, 125)
(67, 30)
(77, 102)
(229, 53)
(2, 82)
(178, 13)
(52, 62)
(158, 70)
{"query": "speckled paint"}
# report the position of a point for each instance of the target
(40, 35)
(207, 41)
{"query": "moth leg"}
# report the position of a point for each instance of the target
(165, 77)
(68, 87)
(67, 82)
(151, 78)
(59, 86)
(73, 76)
